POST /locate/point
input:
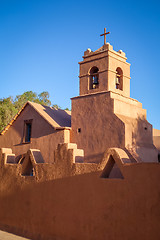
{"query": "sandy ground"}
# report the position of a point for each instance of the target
(9, 236)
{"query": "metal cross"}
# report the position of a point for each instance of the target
(104, 34)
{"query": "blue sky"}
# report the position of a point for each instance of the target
(42, 41)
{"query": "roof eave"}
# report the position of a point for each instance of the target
(62, 128)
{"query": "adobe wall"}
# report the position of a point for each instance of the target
(127, 106)
(84, 207)
(138, 138)
(156, 138)
(43, 135)
(99, 127)
(108, 119)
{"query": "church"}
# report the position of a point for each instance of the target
(92, 173)
(103, 116)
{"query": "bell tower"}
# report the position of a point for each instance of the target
(104, 70)
(104, 115)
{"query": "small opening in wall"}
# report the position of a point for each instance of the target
(145, 128)
(79, 130)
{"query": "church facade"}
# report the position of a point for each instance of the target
(93, 174)
(103, 116)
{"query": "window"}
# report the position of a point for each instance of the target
(27, 130)
(79, 130)
(94, 78)
(119, 79)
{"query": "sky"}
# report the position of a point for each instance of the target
(42, 41)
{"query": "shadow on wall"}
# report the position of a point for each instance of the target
(39, 135)
(111, 169)
(85, 200)
(31, 124)
(142, 132)
(68, 162)
(142, 140)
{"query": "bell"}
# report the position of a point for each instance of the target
(95, 80)
(117, 80)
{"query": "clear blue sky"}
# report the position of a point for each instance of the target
(41, 42)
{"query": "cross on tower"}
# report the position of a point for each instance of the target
(104, 34)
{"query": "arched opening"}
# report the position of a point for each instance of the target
(94, 78)
(27, 167)
(119, 79)
(111, 169)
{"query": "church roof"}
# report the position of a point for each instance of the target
(57, 118)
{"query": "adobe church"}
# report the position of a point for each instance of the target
(92, 174)
(103, 116)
